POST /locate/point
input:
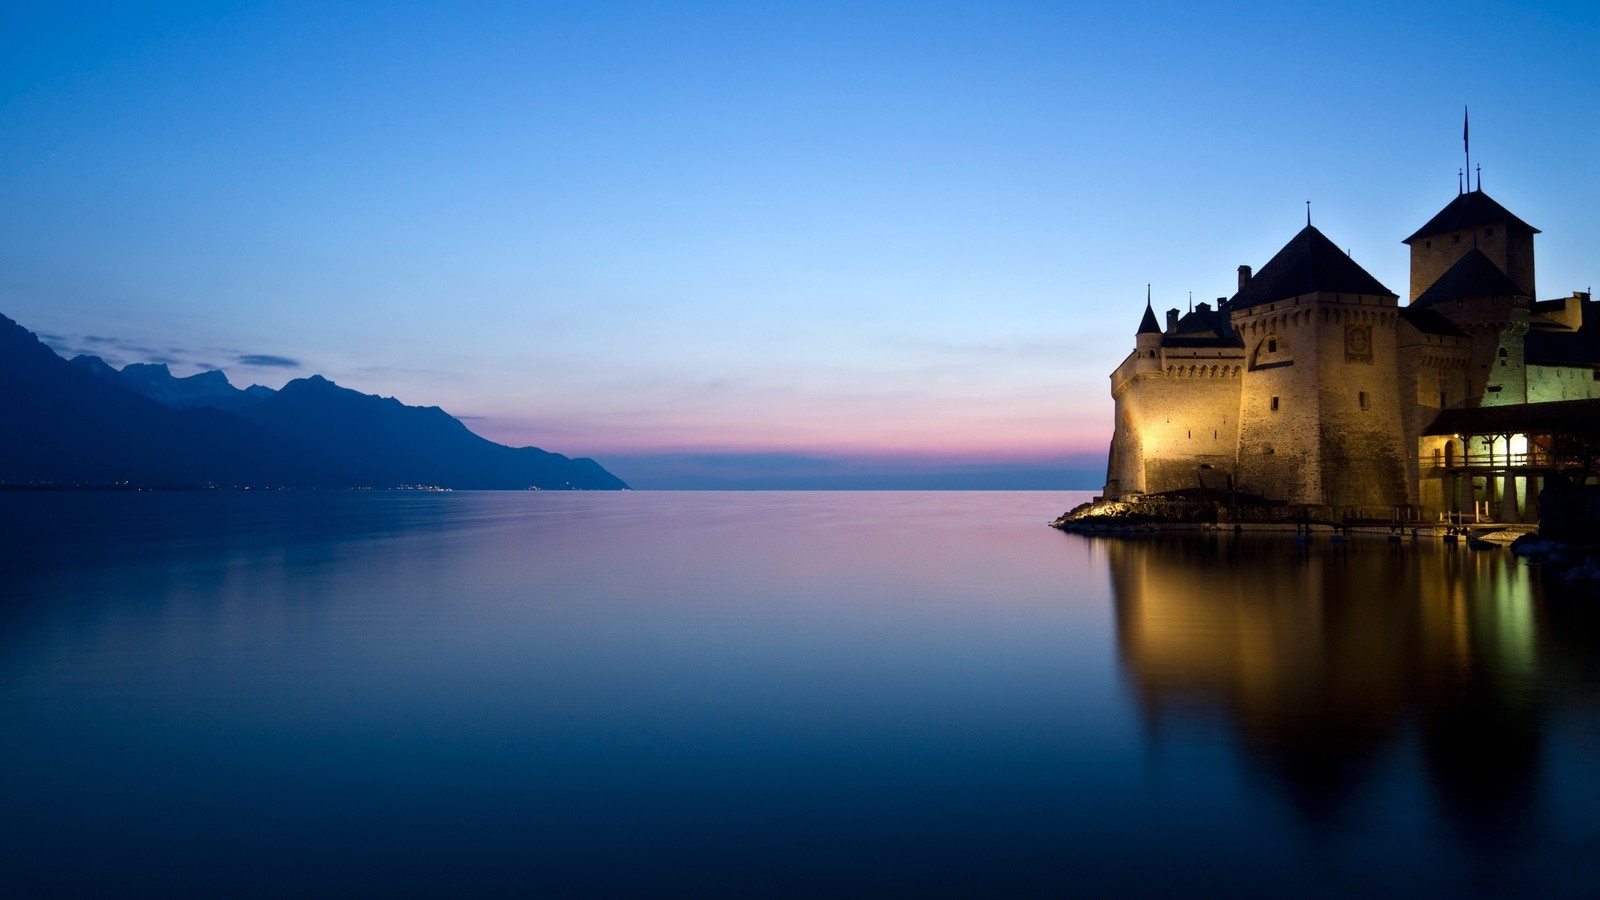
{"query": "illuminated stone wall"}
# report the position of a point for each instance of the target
(1174, 414)
(1550, 383)
(1320, 414)
(1279, 410)
(1194, 423)
(1433, 375)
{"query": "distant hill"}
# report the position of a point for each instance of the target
(63, 425)
(86, 423)
(385, 442)
(156, 381)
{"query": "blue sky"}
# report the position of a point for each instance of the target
(858, 238)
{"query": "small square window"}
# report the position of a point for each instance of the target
(1488, 232)
(1274, 404)
(1272, 346)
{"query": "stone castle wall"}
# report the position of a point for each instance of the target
(1321, 420)
(1550, 383)
(1279, 404)
(1433, 372)
(1172, 419)
(1361, 438)
(1197, 424)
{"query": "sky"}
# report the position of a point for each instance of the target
(748, 244)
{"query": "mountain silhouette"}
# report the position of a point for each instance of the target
(85, 423)
(384, 442)
(63, 425)
(156, 381)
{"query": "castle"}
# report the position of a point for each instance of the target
(1313, 385)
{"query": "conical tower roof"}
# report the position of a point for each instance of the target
(1149, 325)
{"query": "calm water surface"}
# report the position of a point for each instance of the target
(760, 694)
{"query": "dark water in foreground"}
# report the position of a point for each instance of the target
(757, 694)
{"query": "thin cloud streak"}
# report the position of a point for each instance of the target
(268, 361)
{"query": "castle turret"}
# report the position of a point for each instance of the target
(1147, 342)
(1473, 220)
(1493, 309)
(1177, 402)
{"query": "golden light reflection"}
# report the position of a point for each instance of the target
(1321, 660)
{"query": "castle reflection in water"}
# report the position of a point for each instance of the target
(1327, 663)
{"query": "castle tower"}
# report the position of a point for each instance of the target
(1147, 341)
(1319, 420)
(1125, 462)
(1472, 220)
(1177, 405)
(1493, 309)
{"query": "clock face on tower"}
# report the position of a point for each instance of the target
(1358, 341)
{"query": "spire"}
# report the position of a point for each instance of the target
(1149, 325)
(1308, 213)
(1459, 188)
(1480, 176)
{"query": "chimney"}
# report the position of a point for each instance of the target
(1244, 276)
(1172, 320)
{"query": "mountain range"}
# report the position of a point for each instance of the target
(86, 423)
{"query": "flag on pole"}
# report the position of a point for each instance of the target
(1465, 145)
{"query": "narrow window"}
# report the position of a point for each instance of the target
(1442, 404)
(1274, 404)
(1427, 245)
(1361, 397)
(1456, 239)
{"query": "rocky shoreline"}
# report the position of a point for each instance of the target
(1575, 563)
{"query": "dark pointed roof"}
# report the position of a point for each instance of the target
(1149, 325)
(1430, 321)
(1470, 210)
(1307, 264)
(1473, 275)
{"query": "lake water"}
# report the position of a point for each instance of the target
(760, 694)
